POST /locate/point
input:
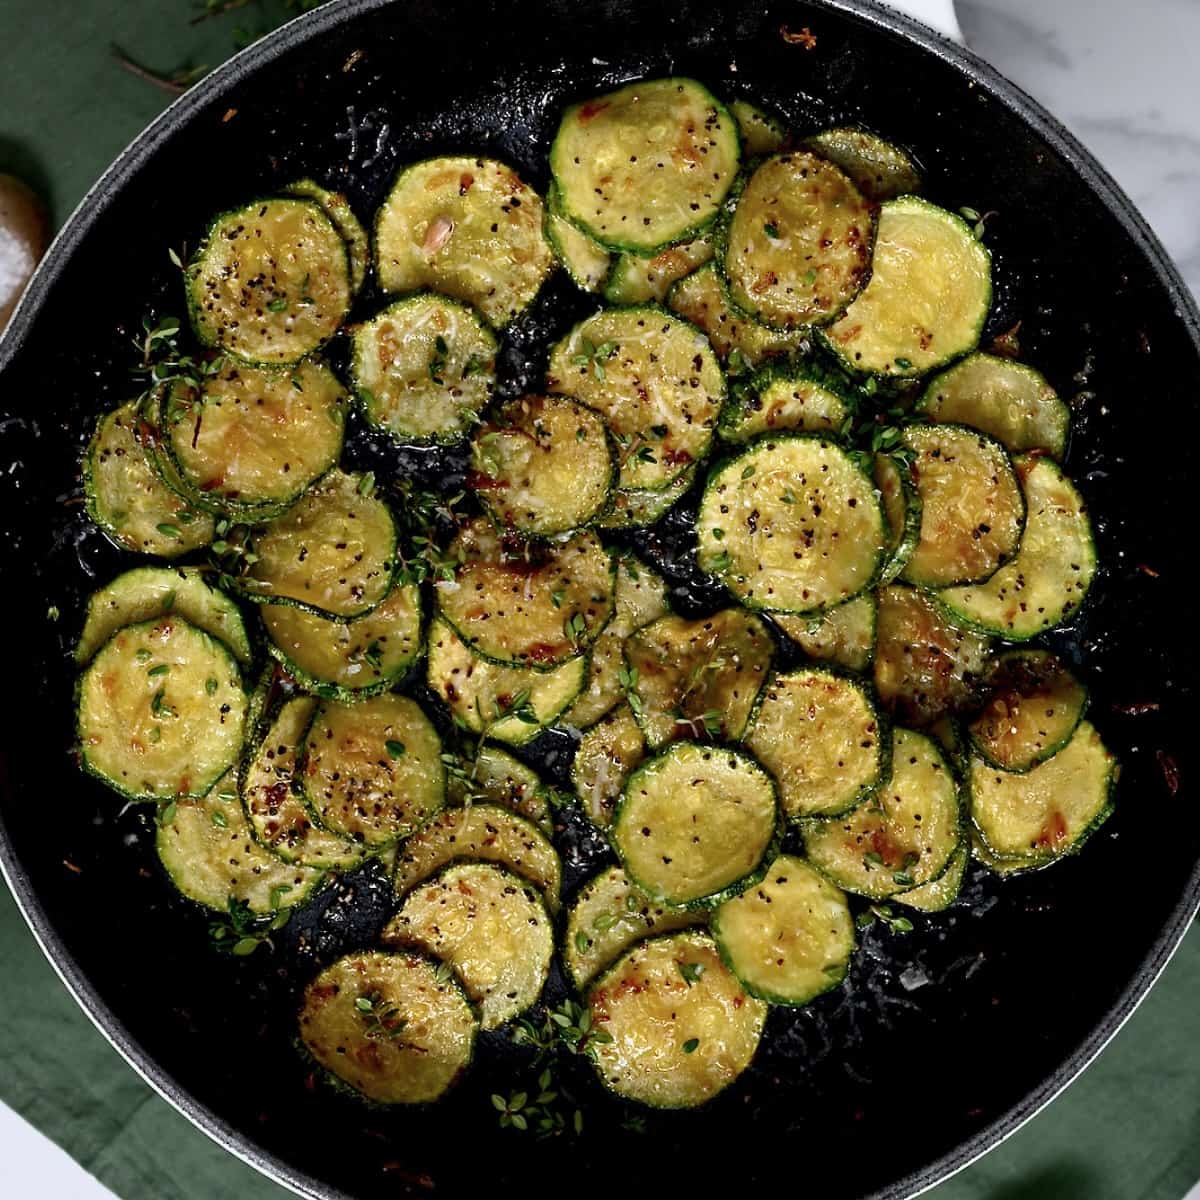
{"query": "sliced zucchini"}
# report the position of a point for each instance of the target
(146, 593)
(161, 710)
(820, 736)
(543, 465)
(654, 379)
(943, 891)
(468, 228)
(1007, 399)
(392, 1026)
(1053, 569)
(337, 209)
(880, 170)
(972, 507)
(270, 282)
(925, 667)
(1003, 867)
(1039, 815)
(332, 554)
(641, 597)
(373, 771)
(761, 133)
(790, 937)
(902, 507)
(608, 916)
(607, 755)
(696, 824)
(348, 660)
(424, 369)
(126, 498)
(490, 926)
(681, 1026)
(509, 704)
(778, 401)
(273, 797)
(493, 776)
(844, 636)
(208, 850)
(952, 737)
(697, 678)
(527, 604)
(634, 508)
(798, 246)
(1034, 707)
(792, 524)
(647, 165)
(254, 438)
(636, 279)
(930, 288)
(586, 261)
(736, 338)
(486, 832)
(904, 836)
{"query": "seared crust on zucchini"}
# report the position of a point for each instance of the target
(778, 400)
(635, 279)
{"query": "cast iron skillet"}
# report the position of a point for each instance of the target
(944, 1040)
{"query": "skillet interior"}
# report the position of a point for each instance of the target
(871, 1091)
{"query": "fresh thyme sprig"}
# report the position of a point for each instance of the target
(243, 931)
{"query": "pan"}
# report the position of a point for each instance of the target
(943, 1040)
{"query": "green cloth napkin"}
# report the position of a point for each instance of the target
(1128, 1130)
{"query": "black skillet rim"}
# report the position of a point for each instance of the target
(330, 16)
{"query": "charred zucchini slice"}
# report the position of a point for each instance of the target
(904, 836)
(273, 797)
(128, 500)
(161, 710)
(348, 660)
(333, 554)
(930, 288)
(972, 507)
(586, 261)
(641, 597)
(252, 438)
(543, 465)
(509, 704)
(373, 771)
(880, 170)
(487, 832)
(943, 891)
(606, 756)
(527, 604)
(696, 824)
(490, 926)
(790, 937)
(468, 228)
(634, 508)
(654, 379)
(844, 636)
(208, 850)
(902, 506)
(681, 1026)
(1033, 709)
(925, 667)
(493, 776)
(798, 246)
(1047, 580)
(608, 916)
(736, 338)
(337, 209)
(636, 279)
(389, 1025)
(424, 369)
(761, 132)
(792, 524)
(779, 401)
(697, 678)
(1039, 815)
(270, 282)
(647, 165)
(820, 736)
(146, 593)
(1006, 399)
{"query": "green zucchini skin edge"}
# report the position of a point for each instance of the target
(895, 563)
(786, 370)
(738, 886)
(554, 209)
